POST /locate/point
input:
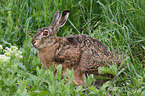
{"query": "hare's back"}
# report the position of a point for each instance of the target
(87, 42)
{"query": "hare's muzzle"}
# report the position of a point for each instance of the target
(36, 43)
(33, 42)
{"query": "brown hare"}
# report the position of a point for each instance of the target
(82, 53)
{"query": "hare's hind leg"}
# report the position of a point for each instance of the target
(79, 78)
(79, 72)
(87, 62)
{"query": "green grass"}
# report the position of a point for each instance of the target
(120, 24)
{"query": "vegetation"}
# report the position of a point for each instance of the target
(120, 24)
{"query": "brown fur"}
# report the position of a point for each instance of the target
(82, 53)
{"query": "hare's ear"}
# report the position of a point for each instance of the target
(59, 21)
(63, 17)
(55, 20)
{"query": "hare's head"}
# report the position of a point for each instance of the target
(47, 36)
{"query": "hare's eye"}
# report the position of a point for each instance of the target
(45, 33)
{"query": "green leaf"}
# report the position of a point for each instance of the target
(52, 67)
(59, 69)
(22, 66)
(110, 70)
(79, 88)
(94, 89)
(70, 74)
(89, 80)
(22, 87)
(143, 93)
(105, 85)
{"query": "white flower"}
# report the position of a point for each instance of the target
(9, 12)
(19, 52)
(14, 47)
(6, 48)
(8, 58)
(16, 54)
(20, 56)
(14, 51)
(7, 54)
(4, 58)
(1, 47)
